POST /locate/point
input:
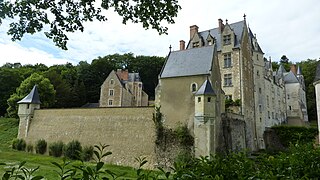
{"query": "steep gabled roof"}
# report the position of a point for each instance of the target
(32, 97)
(291, 78)
(236, 27)
(206, 89)
(189, 62)
(281, 70)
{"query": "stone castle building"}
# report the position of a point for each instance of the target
(122, 88)
(266, 97)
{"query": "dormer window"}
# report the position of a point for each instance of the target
(196, 44)
(210, 42)
(227, 39)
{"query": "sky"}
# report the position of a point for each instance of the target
(282, 27)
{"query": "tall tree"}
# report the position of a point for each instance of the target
(10, 79)
(62, 16)
(46, 92)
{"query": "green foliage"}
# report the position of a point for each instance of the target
(183, 135)
(41, 146)
(20, 172)
(56, 149)
(87, 153)
(294, 134)
(30, 148)
(46, 92)
(69, 16)
(73, 150)
(19, 144)
(230, 102)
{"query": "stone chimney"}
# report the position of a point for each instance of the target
(293, 68)
(182, 45)
(193, 30)
(123, 74)
(221, 25)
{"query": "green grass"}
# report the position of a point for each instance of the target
(9, 131)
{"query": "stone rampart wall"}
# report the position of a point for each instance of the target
(129, 131)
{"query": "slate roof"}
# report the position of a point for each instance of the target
(189, 62)
(32, 97)
(317, 78)
(291, 78)
(236, 27)
(252, 36)
(281, 69)
(132, 77)
(206, 89)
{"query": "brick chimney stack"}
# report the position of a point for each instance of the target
(123, 74)
(293, 68)
(221, 25)
(182, 45)
(193, 30)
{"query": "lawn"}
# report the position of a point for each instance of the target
(9, 130)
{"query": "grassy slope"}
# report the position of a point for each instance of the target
(9, 130)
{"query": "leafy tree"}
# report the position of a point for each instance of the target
(63, 16)
(46, 92)
(10, 79)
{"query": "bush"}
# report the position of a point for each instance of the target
(294, 134)
(56, 149)
(30, 148)
(73, 150)
(19, 144)
(41, 146)
(87, 153)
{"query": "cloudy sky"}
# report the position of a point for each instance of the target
(287, 27)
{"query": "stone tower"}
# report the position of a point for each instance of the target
(204, 120)
(317, 90)
(26, 110)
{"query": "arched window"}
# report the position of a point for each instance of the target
(193, 87)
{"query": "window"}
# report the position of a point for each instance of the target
(260, 90)
(288, 96)
(194, 87)
(111, 92)
(195, 44)
(290, 108)
(227, 60)
(209, 99)
(199, 99)
(110, 102)
(111, 81)
(258, 74)
(257, 57)
(227, 39)
(260, 108)
(228, 80)
(209, 42)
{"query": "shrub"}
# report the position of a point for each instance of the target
(41, 146)
(30, 148)
(56, 149)
(294, 134)
(19, 144)
(73, 150)
(87, 153)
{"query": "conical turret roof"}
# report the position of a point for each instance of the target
(32, 97)
(299, 71)
(206, 89)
